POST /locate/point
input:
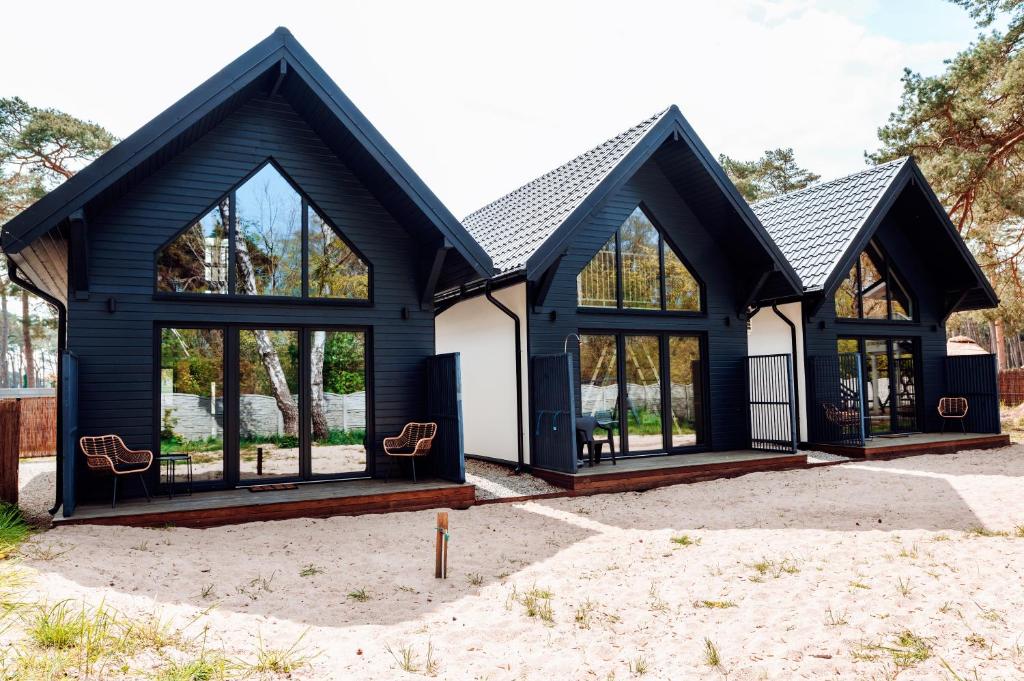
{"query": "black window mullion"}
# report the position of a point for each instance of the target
(620, 369)
(232, 248)
(666, 392)
(305, 248)
(618, 270)
(661, 270)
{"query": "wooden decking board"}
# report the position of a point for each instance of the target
(210, 509)
(644, 474)
(913, 445)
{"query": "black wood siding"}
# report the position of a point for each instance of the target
(116, 349)
(726, 343)
(903, 233)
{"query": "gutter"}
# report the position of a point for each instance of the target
(796, 370)
(519, 374)
(62, 333)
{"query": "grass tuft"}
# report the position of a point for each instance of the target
(13, 529)
(686, 540)
(310, 570)
(714, 605)
(712, 657)
(360, 595)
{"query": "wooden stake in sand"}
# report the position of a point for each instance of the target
(441, 550)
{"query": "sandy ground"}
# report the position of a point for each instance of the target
(822, 571)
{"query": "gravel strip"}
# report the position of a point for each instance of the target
(494, 481)
(824, 457)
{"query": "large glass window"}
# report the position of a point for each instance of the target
(872, 290)
(888, 382)
(658, 384)
(282, 247)
(687, 397)
(638, 269)
(268, 236)
(338, 402)
(644, 432)
(192, 398)
(599, 384)
(268, 404)
(196, 260)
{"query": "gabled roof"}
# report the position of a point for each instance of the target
(512, 228)
(277, 62)
(528, 228)
(821, 229)
(813, 227)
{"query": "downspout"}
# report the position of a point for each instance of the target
(62, 319)
(519, 374)
(796, 370)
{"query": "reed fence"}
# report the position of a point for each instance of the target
(38, 425)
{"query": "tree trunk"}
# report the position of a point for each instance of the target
(318, 405)
(26, 330)
(268, 355)
(998, 341)
(5, 331)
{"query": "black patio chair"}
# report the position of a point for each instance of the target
(586, 427)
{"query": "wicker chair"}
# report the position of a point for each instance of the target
(953, 408)
(839, 416)
(108, 454)
(414, 440)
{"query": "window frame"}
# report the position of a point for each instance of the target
(665, 369)
(232, 296)
(663, 242)
(888, 273)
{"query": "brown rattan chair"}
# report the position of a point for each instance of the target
(953, 408)
(414, 440)
(841, 417)
(108, 454)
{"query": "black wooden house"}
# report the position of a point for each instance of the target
(624, 281)
(882, 269)
(250, 278)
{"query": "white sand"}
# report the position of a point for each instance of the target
(851, 533)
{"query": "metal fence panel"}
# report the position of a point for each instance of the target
(976, 378)
(836, 404)
(444, 407)
(770, 395)
(554, 413)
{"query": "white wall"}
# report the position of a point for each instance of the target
(484, 336)
(769, 335)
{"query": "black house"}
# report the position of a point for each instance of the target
(882, 268)
(638, 260)
(249, 278)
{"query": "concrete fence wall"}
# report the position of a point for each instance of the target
(191, 417)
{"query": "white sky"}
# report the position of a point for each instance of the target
(480, 97)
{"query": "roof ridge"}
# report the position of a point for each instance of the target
(649, 121)
(830, 183)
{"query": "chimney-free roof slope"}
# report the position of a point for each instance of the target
(820, 229)
(525, 230)
(278, 63)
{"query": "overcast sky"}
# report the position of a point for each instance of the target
(480, 96)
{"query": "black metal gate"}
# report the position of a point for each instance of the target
(554, 413)
(770, 395)
(976, 378)
(835, 407)
(444, 407)
(69, 426)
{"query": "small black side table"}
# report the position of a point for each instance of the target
(169, 463)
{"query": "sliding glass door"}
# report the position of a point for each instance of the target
(268, 405)
(192, 399)
(337, 398)
(648, 388)
(265, 405)
(889, 382)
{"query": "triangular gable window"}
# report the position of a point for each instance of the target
(873, 290)
(282, 246)
(638, 269)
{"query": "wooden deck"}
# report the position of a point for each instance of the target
(916, 443)
(635, 474)
(209, 509)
